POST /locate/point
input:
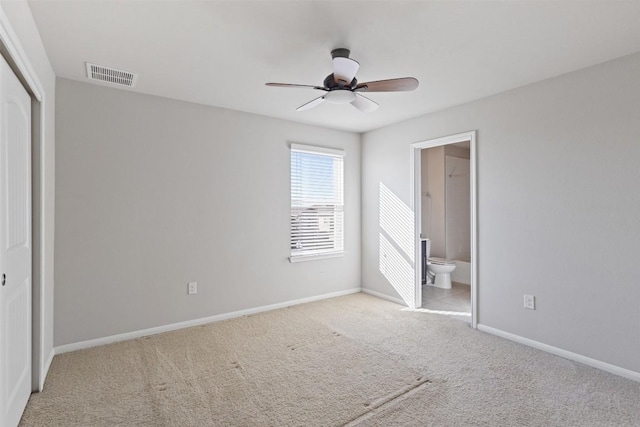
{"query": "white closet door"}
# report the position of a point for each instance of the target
(15, 247)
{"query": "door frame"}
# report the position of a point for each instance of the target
(12, 50)
(416, 200)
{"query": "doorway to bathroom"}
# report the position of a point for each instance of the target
(444, 206)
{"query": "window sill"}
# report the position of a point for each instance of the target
(301, 258)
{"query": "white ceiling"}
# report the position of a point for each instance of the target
(221, 53)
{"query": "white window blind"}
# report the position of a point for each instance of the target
(317, 202)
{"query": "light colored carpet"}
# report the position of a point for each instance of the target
(354, 360)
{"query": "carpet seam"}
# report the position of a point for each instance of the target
(387, 401)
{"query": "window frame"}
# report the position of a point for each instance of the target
(329, 153)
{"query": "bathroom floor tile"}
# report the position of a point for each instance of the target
(456, 288)
(460, 300)
(454, 302)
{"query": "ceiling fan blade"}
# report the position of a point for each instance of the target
(391, 85)
(294, 86)
(364, 104)
(344, 70)
(309, 105)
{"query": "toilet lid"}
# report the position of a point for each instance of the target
(441, 261)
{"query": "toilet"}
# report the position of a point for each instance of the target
(441, 268)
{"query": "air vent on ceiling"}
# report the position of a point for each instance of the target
(111, 75)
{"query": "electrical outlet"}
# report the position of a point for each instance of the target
(530, 302)
(192, 288)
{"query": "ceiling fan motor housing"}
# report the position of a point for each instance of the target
(340, 52)
(330, 83)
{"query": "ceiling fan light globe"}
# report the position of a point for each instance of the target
(340, 96)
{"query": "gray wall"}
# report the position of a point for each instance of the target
(20, 19)
(153, 193)
(558, 206)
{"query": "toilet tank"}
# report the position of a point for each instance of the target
(425, 251)
(426, 247)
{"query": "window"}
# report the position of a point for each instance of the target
(317, 205)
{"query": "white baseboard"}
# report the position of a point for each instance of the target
(383, 296)
(45, 369)
(612, 369)
(195, 322)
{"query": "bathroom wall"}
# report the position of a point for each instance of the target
(457, 208)
(425, 196)
(433, 199)
(458, 150)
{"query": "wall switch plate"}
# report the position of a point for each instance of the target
(530, 302)
(192, 289)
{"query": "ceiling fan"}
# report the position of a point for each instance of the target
(341, 86)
